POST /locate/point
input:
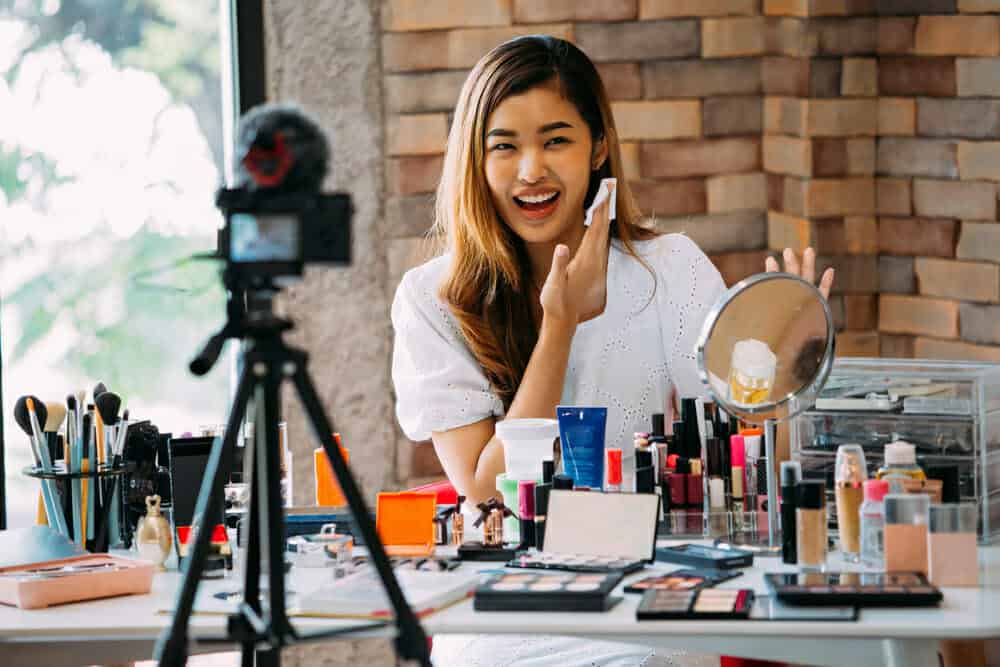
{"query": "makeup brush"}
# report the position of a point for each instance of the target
(73, 464)
(87, 500)
(108, 405)
(72, 421)
(53, 422)
(81, 403)
(38, 413)
(99, 389)
(24, 421)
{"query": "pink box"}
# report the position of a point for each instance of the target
(59, 581)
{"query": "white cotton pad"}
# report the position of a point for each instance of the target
(606, 189)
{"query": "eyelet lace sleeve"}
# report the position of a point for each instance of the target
(439, 386)
(689, 287)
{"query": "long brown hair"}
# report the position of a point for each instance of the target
(488, 282)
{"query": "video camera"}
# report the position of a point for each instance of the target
(276, 220)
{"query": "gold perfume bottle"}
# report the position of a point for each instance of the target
(152, 535)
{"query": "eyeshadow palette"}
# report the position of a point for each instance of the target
(548, 560)
(681, 580)
(706, 604)
(547, 591)
(770, 608)
(864, 589)
(704, 556)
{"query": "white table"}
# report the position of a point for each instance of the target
(122, 629)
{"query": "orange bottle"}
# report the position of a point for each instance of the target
(328, 493)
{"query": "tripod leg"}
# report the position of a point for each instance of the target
(269, 504)
(171, 647)
(411, 642)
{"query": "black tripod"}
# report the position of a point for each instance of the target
(262, 632)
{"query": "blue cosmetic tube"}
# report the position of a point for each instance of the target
(581, 438)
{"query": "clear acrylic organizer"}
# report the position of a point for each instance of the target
(952, 417)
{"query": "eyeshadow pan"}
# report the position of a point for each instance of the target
(581, 587)
(546, 587)
(715, 602)
(504, 586)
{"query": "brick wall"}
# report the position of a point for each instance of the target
(685, 81)
(869, 129)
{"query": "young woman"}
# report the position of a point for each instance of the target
(528, 308)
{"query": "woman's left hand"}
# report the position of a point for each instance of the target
(807, 270)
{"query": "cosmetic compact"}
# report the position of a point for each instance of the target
(590, 531)
(703, 604)
(547, 591)
(682, 580)
(864, 589)
(405, 522)
(704, 556)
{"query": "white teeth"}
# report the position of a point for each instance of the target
(537, 199)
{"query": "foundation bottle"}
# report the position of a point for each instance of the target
(906, 518)
(810, 525)
(953, 559)
(850, 473)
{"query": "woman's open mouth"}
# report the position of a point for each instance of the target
(536, 207)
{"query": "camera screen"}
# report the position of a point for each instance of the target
(264, 238)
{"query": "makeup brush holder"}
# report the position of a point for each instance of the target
(107, 478)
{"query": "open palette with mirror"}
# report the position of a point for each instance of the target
(547, 591)
(588, 531)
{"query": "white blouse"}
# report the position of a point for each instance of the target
(627, 359)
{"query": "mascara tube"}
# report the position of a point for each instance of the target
(791, 475)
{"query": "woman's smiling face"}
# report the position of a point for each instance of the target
(539, 157)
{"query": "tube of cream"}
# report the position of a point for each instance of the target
(581, 437)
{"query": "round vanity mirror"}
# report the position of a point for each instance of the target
(766, 347)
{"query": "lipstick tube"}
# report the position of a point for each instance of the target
(737, 457)
(761, 466)
(526, 512)
(695, 497)
(614, 465)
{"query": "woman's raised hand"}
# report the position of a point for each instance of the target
(807, 270)
(576, 289)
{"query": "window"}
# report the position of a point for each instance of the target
(111, 148)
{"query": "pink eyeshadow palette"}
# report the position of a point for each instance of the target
(865, 589)
(547, 592)
(682, 580)
(548, 560)
(704, 604)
